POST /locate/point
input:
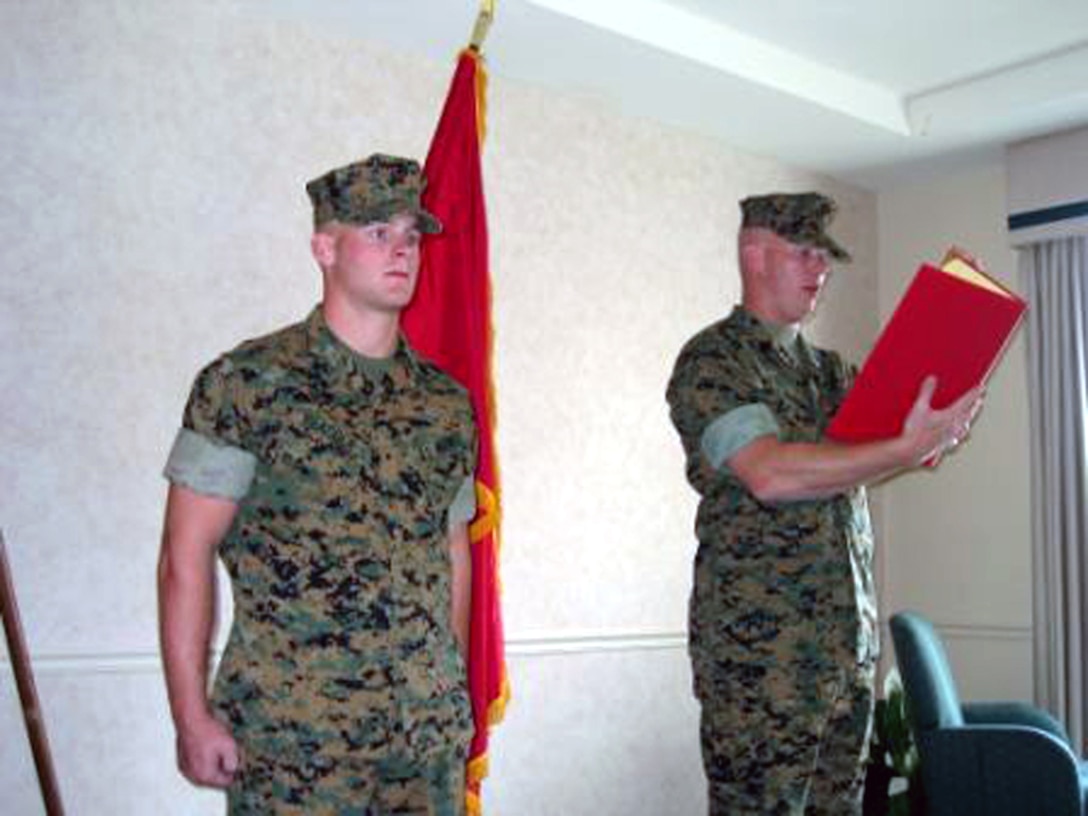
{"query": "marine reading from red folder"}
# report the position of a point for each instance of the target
(954, 322)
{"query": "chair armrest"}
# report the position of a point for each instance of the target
(1013, 713)
(998, 770)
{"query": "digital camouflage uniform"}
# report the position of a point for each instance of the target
(783, 628)
(341, 677)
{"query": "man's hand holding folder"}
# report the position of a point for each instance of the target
(928, 428)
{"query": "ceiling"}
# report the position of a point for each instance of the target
(872, 91)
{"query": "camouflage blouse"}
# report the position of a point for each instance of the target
(777, 581)
(341, 644)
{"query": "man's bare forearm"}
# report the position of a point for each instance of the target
(776, 471)
(193, 527)
(186, 617)
(460, 585)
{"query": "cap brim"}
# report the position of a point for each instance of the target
(838, 252)
(425, 221)
(428, 223)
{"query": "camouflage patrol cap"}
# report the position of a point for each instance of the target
(801, 218)
(375, 189)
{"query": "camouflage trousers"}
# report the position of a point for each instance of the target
(775, 748)
(394, 786)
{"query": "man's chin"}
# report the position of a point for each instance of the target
(400, 296)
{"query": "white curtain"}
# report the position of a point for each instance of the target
(1054, 274)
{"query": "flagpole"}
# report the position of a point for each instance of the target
(483, 25)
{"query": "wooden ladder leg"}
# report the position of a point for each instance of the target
(28, 693)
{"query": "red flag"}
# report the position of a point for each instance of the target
(449, 322)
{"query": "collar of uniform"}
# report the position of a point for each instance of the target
(342, 360)
(787, 338)
(781, 335)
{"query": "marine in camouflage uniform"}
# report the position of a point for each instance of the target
(783, 614)
(342, 681)
(783, 626)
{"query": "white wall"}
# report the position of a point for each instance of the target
(1044, 173)
(957, 541)
(1047, 171)
(154, 162)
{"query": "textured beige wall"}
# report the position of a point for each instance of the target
(613, 244)
(154, 215)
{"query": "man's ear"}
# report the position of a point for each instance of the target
(751, 256)
(323, 247)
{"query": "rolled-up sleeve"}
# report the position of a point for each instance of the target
(210, 454)
(717, 401)
(463, 507)
(732, 431)
(209, 467)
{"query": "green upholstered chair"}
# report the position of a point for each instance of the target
(989, 759)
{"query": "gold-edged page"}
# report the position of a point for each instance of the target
(958, 263)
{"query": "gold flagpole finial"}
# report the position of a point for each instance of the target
(483, 24)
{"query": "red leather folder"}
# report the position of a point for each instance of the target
(953, 322)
